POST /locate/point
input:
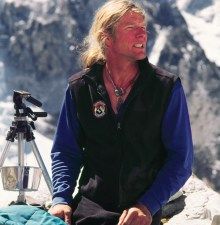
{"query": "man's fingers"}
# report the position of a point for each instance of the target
(130, 218)
(123, 215)
(62, 211)
(56, 213)
(142, 221)
(67, 218)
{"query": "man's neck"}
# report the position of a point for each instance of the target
(121, 71)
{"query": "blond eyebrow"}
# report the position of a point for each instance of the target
(133, 23)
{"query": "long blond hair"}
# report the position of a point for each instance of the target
(105, 21)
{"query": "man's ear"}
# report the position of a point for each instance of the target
(108, 40)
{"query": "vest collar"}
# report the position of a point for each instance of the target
(94, 78)
(94, 74)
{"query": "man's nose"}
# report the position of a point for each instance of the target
(141, 32)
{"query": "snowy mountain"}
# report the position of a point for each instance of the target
(40, 42)
(203, 20)
(175, 49)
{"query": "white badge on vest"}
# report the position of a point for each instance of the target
(99, 109)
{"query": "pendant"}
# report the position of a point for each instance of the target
(118, 91)
(119, 103)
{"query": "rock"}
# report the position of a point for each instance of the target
(216, 220)
(40, 47)
(202, 205)
(174, 207)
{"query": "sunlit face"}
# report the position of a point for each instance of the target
(129, 41)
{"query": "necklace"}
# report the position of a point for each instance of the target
(119, 91)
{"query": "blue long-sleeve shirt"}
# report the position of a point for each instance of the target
(176, 137)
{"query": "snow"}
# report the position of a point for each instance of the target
(20, 1)
(205, 27)
(158, 46)
(183, 3)
(2, 76)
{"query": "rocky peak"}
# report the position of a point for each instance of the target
(195, 204)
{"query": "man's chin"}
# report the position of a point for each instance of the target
(142, 56)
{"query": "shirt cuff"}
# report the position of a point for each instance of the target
(150, 201)
(61, 200)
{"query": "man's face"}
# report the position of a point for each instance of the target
(129, 41)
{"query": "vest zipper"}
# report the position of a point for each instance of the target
(120, 160)
(99, 90)
(119, 129)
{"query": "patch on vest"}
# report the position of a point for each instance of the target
(99, 109)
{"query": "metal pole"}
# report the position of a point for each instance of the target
(4, 153)
(21, 196)
(42, 166)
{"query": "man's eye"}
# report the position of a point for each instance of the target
(130, 27)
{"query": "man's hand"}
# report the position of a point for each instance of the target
(62, 211)
(136, 215)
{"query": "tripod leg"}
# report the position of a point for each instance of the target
(42, 166)
(4, 153)
(21, 195)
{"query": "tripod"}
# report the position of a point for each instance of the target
(21, 130)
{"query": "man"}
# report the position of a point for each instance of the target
(126, 123)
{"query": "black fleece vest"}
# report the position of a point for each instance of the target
(123, 153)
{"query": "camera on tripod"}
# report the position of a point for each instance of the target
(23, 178)
(20, 107)
(20, 124)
